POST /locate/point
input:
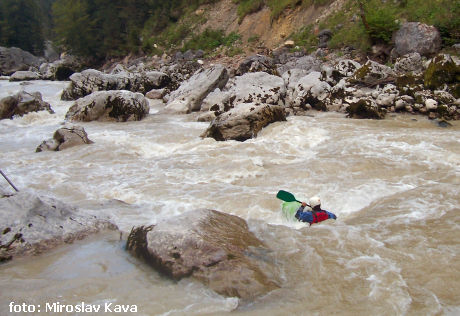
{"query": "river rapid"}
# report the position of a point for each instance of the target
(394, 185)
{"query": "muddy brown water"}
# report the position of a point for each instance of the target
(394, 185)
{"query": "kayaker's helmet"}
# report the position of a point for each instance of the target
(315, 201)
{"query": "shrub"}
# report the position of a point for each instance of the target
(381, 19)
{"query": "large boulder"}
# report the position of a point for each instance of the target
(22, 103)
(118, 106)
(244, 121)
(254, 87)
(90, 80)
(191, 93)
(32, 224)
(213, 247)
(65, 137)
(416, 37)
(15, 59)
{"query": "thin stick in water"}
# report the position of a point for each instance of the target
(11, 183)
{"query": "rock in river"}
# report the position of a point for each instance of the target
(32, 224)
(213, 247)
(117, 105)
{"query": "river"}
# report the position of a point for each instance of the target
(394, 185)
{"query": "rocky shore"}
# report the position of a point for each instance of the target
(240, 96)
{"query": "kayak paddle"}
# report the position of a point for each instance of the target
(286, 196)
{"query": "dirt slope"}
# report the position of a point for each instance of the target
(270, 34)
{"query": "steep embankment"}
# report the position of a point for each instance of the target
(259, 29)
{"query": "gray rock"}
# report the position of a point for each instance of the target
(371, 74)
(257, 63)
(244, 121)
(308, 63)
(410, 63)
(60, 69)
(65, 137)
(118, 106)
(24, 75)
(32, 224)
(22, 103)
(310, 90)
(156, 94)
(258, 88)
(416, 37)
(191, 93)
(214, 248)
(323, 38)
(90, 80)
(15, 59)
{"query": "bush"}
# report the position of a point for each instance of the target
(381, 20)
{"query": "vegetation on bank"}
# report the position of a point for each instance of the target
(101, 29)
(382, 19)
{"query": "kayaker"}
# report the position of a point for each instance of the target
(316, 215)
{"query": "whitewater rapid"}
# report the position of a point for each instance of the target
(394, 185)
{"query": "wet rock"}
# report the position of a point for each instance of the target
(244, 121)
(365, 108)
(257, 63)
(212, 247)
(191, 93)
(90, 80)
(311, 91)
(65, 137)
(33, 224)
(257, 87)
(15, 59)
(118, 106)
(24, 75)
(23, 103)
(415, 37)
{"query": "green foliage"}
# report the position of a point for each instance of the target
(381, 19)
(246, 7)
(305, 37)
(353, 35)
(211, 39)
(278, 6)
(21, 25)
(75, 27)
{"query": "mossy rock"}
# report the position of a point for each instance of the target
(442, 70)
(409, 84)
(364, 109)
(455, 89)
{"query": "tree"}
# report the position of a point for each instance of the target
(21, 25)
(75, 28)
